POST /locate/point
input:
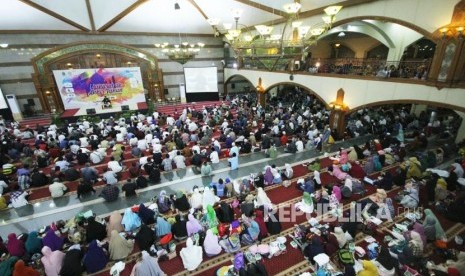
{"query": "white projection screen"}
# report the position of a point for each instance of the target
(201, 79)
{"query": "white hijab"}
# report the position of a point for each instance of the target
(262, 198)
(196, 199)
(237, 186)
(191, 255)
(316, 177)
(209, 198)
(340, 236)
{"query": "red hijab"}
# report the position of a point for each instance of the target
(15, 246)
(22, 270)
(259, 219)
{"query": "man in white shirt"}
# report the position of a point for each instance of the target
(193, 127)
(57, 189)
(179, 160)
(119, 137)
(142, 144)
(114, 165)
(299, 145)
(84, 141)
(96, 156)
(63, 164)
(214, 158)
(156, 146)
(170, 120)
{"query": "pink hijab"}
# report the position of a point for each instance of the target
(52, 261)
(193, 226)
(338, 173)
(337, 193)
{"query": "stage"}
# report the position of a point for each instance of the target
(73, 114)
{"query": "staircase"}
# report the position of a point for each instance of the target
(43, 120)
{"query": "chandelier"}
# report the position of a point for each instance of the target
(292, 37)
(182, 52)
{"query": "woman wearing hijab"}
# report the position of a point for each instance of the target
(250, 234)
(338, 173)
(145, 238)
(179, 228)
(15, 246)
(369, 269)
(211, 245)
(52, 240)
(7, 266)
(268, 176)
(52, 261)
(385, 182)
(385, 263)
(306, 204)
(340, 236)
(210, 219)
(163, 202)
(417, 227)
(263, 199)
(209, 198)
(130, 220)
(95, 230)
(344, 158)
(162, 227)
(288, 172)
(22, 270)
(146, 215)
(411, 198)
(114, 223)
(33, 243)
(330, 243)
(359, 152)
(147, 266)
(352, 156)
(118, 247)
(193, 225)
(336, 195)
(430, 223)
(181, 203)
(414, 169)
(314, 248)
(225, 213)
(191, 255)
(317, 180)
(369, 167)
(260, 220)
(196, 199)
(95, 258)
(72, 265)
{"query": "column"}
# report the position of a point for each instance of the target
(337, 121)
(261, 98)
(461, 131)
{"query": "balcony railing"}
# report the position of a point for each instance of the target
(413, 69)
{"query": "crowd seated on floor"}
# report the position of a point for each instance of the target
(199, 217)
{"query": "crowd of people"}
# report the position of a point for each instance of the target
(135, 151)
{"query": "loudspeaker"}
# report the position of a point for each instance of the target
(166, 91)
(125, 107)
(90, 111)
(31, 102)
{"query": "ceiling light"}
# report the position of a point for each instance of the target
(176, 6)
(292, 8)
(236, 13)
(4, 45)
(341, 34)
(332, 10)
(213, 21)
(263, 29)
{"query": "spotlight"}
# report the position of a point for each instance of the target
(176, 6)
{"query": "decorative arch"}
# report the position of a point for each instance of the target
(225, 85)
(388, 19)
(43, 63)
(310, 91)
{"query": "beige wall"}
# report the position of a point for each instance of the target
(359, 45)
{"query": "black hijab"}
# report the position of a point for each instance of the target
(72, 263)
(146, 215)
(385, 258)
(145, 238)
(182, 204)
(179, 228)
(95, 230)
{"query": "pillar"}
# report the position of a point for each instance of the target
(417, 109)
(261, 98)
(461, 131)
(337, 121)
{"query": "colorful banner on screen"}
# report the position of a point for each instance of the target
(87, 88)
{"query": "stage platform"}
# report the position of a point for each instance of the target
(103, 113)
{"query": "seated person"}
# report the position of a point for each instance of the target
(106, 102)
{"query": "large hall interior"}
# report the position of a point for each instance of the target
(232, 137)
